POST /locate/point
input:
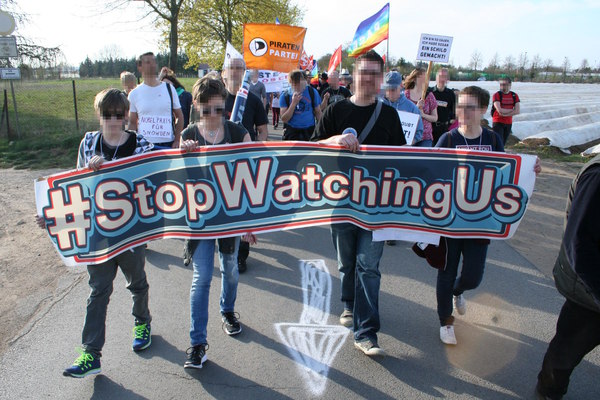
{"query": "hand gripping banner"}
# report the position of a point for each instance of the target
(260, 187)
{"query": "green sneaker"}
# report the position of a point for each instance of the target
(86, 364)
(141, 337)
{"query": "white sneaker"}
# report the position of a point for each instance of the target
(447, 334)
(460, 304)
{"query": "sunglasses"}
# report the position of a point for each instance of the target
(208, 110)
(110, 114)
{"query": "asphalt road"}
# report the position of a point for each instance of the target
(291, 346)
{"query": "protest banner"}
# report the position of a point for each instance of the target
(410, 122)
(274, 81)
(228, 190)
(273, 47)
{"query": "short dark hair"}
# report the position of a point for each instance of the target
(371, 55)
(207, 87)
(505, 78)
(148, 53)
(482, 95)
(111, 100)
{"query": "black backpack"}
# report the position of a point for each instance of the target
(514, 96)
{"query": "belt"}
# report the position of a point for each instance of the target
(441, 123)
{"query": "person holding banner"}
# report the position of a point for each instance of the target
(299, 105)
(471, 106)
(111, 142)
(211, 130)
(414, 85)
(358, 255)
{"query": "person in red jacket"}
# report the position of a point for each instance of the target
(506, 104)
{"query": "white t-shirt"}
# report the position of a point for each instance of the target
(153, 107)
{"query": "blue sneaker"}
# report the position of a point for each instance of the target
(86, 364)
(141, 337)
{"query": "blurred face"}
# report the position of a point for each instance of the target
(234, 74)
(299, 86)
(148, 65)
(368, 77)
(334, 79)
(212, 111)
(254, 75)
(505, 86)
(112, 119)
(441, 78)
(468, 110)
(421, 80)
(393, 94)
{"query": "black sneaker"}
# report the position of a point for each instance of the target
(231, 325)
(196, 356)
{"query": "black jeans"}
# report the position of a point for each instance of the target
(304, 134)
(244, 251)
(438, 130)
(577, 333)
(503, 129)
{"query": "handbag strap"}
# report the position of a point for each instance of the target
(365, 132)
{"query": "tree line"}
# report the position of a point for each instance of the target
(110, 67)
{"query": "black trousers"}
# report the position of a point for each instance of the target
(577, 333)
(304, 134)
(243, 251)
(439, 130)
(503, 129)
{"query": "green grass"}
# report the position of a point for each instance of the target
(49, 136)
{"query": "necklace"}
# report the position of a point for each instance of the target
(211, 134)
(480, 137)
(114, 157)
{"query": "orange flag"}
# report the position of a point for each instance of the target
(273, 47)
(335, 60)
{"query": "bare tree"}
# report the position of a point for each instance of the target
(509, 64)
(536, 62)
(476, 60)
(547, 66)
(566, 65)
(494, 63)
(522, 63)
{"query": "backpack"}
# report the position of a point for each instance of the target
(514, 96)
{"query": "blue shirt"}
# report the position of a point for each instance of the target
(403, 104)
(303, 114)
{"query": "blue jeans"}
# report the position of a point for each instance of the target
(101, 277)
(473, 252)
(358, 263)
(203, 261)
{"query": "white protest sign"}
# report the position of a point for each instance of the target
(410, 122)
(273, 80)
(155, 129)
(434, 48)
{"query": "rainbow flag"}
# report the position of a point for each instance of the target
(370, 32)
(315, 71)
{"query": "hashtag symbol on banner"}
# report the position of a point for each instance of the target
(68, 217)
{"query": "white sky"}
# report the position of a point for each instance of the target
(553, 29)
